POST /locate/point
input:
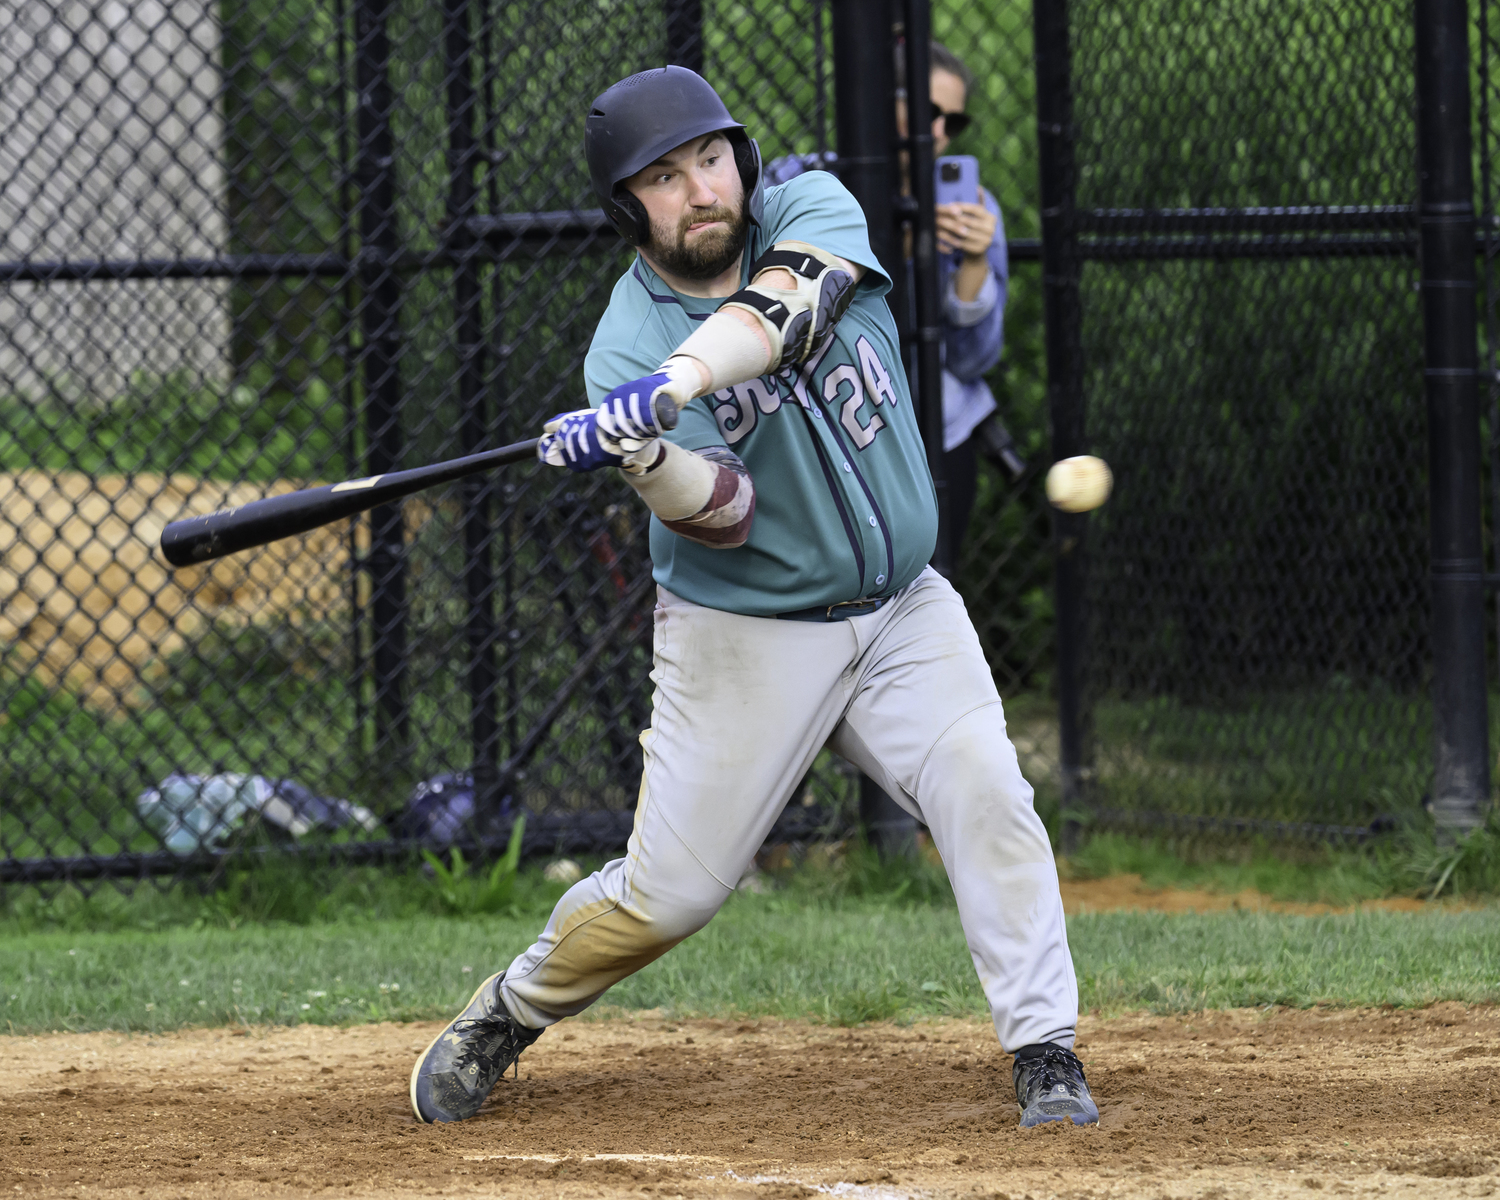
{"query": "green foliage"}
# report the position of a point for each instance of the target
(467, 893)
(276, 890)
(861, 874)
(1470, 866)
(1195, 105)
(1335, 753)
(285, 121)
(176, 426)
(860, 1006)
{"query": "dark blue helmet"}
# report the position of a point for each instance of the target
(636, 121)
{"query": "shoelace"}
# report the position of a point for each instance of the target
(511, 1043)
(1050, 1068)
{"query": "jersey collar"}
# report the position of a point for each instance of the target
(698, 308)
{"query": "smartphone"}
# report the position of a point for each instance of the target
(957, 179)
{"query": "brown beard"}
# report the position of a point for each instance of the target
(713, 252)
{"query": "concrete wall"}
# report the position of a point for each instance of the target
(111, 137)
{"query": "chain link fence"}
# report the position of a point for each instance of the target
(247, 248)
(1259, 653)
(254, 247)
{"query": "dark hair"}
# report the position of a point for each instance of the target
(943, 59)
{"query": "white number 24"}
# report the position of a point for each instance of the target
(876, 381)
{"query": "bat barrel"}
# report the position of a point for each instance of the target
(215, 534)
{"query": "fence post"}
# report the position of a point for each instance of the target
(924, 274)
(864, 82)
(864, 85)
(482, 676)
(379, 358)
(1444, 147)
(1063, 318)
(685, 34)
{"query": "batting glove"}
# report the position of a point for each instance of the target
(630, 417)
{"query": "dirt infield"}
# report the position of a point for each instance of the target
(1238, 1104)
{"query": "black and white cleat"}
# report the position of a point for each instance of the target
(455, 1073)
(1050, 1087)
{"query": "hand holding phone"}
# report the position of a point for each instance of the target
(964, 226)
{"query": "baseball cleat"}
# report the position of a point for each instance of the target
(1050, 1087)
(455, 1073)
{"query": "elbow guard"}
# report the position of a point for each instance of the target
(799, 322)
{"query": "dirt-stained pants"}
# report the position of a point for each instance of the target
(741, 708)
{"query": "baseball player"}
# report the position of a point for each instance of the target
(793, 519)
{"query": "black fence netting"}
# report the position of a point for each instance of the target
(247, 248)
(1252, 346)
(1004, 564)
(253, 247)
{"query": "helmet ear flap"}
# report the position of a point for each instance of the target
(629, 217)
(747, 159)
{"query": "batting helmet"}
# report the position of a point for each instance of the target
(636, 121)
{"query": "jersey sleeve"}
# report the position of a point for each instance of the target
(607, 365)
(817, 209)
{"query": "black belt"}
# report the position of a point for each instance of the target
(841, 611)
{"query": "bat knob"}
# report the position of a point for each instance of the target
(664, 409)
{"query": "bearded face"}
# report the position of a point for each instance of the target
(706, 254)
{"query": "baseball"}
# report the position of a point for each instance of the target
(1079, 484)
(562, 870)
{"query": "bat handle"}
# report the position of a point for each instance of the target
(664, 409)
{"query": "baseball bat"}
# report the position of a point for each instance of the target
(215, 534)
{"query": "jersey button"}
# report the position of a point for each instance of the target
(847, 467)
(872, 522)
(879, 579)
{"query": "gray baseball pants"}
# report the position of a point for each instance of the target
(741, 708)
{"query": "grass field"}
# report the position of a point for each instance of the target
(841, 961)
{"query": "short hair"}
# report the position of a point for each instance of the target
(942, 59)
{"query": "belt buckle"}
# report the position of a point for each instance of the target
(873, 606)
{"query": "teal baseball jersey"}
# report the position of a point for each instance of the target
(844, 502)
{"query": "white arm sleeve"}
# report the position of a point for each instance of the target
(678, 483)
(730, 349)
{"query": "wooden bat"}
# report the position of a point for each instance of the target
(215, 534)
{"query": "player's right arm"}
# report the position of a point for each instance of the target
(724, 495)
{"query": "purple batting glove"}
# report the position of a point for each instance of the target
(621, 426)
(571, 440)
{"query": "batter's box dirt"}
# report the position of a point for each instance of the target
(1226, 1105)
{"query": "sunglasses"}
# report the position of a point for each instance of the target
(953, 123)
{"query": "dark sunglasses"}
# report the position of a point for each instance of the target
(953, 123)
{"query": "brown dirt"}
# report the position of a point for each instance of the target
(88, 603)
(1235, 1104)
(1128, 891)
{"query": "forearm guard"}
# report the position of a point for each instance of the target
(798, 322)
